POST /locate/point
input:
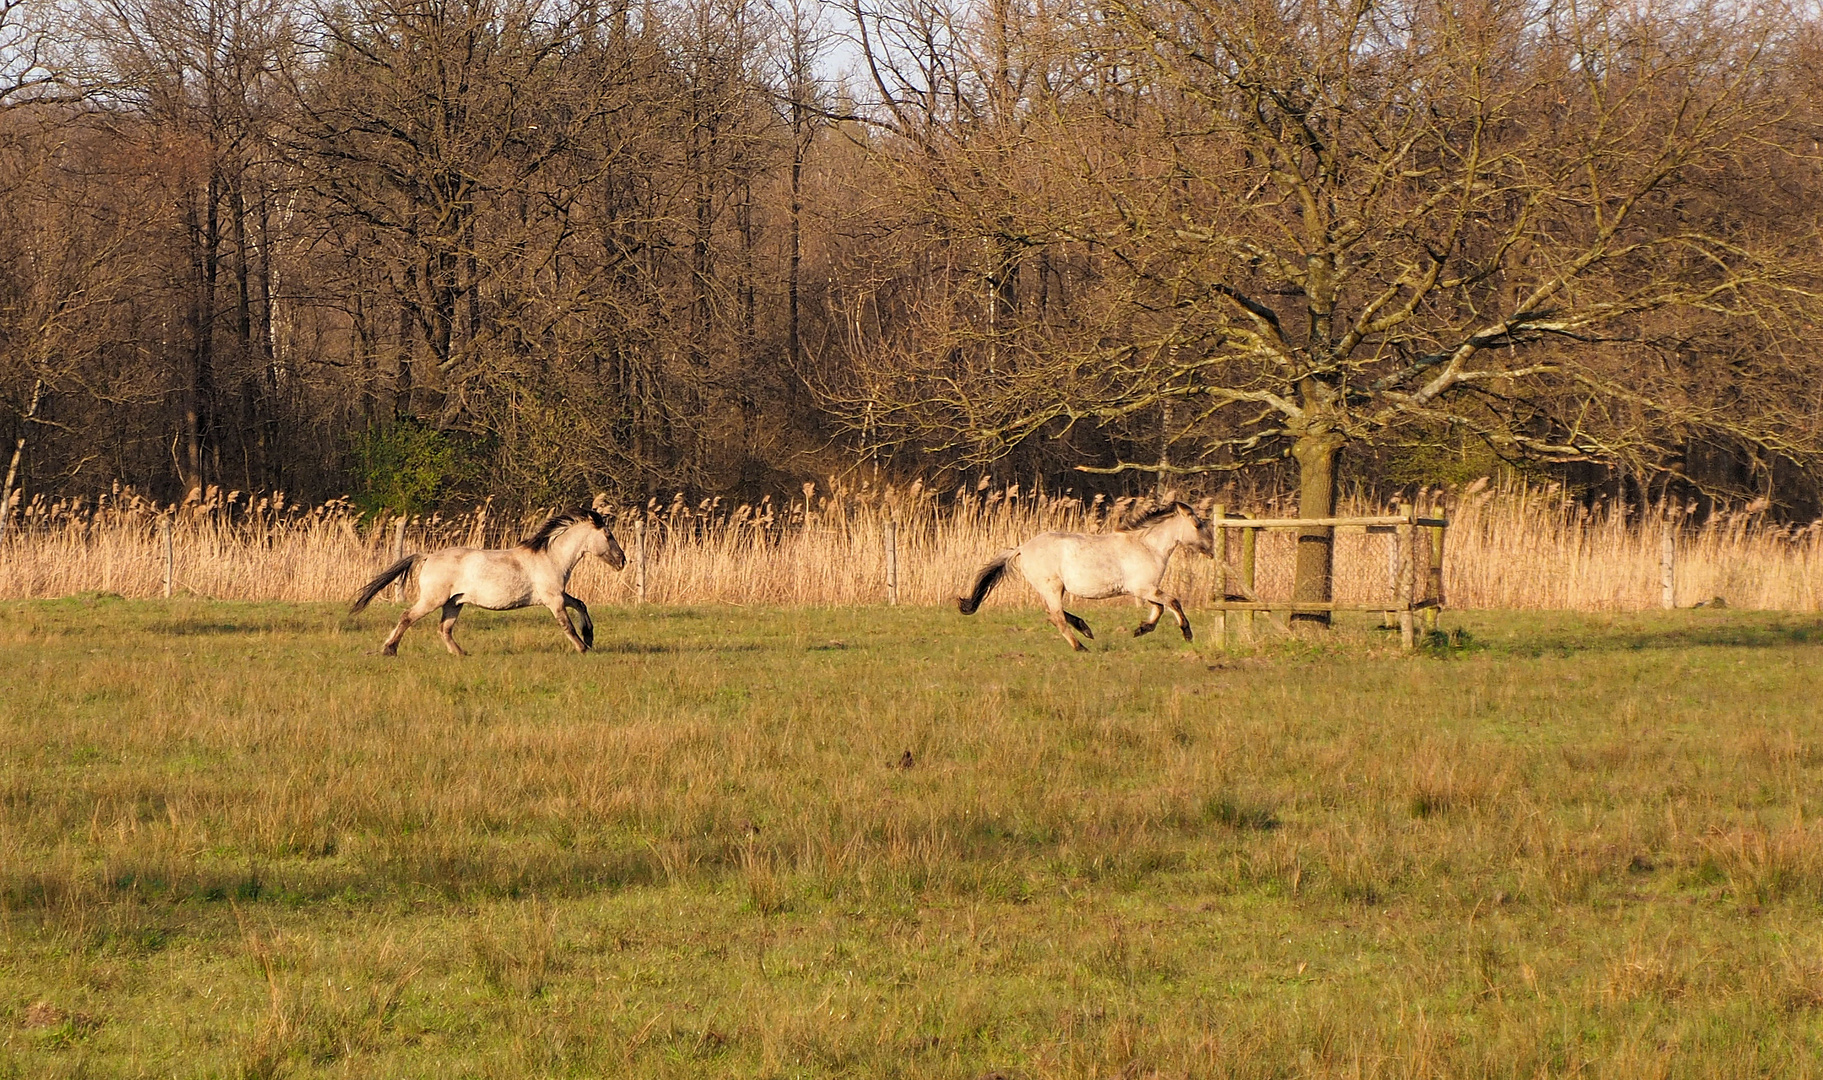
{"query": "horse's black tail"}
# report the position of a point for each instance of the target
(984, 583)
(372, 588)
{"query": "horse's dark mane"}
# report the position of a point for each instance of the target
(560, 521)
(1153, 517)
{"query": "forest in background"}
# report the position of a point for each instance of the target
(424, 252)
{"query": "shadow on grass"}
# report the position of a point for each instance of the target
(609, 648)
(213, 629)
(1661, 632)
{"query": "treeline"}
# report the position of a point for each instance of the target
(429, 250)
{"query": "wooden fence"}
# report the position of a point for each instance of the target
(1411, 593)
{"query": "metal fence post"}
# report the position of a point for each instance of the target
(164, 529)
(398, 552)
(892, 562)
(639, 559)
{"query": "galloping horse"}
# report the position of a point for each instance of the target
(1130, 561)
(534, 571)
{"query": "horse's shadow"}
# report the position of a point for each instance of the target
(228, 629)
(618, 648)
(647, 648)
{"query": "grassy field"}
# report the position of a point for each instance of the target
(233, 842)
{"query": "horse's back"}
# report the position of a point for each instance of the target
(490, 578)
(1092, 566)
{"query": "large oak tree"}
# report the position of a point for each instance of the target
(1289, 227)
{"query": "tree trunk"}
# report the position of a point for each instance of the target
(793, 347)
(1316, 454)
(199, 412)
(401, 385)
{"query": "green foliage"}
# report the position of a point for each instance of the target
(1454, 642)
(406, 466)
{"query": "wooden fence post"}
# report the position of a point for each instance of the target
(164, 530)
(1433, 585)
(1667, 577)
(1392, 577)
(892, 562)
(639, 559)
(1249, 544)
(1408, 630)
(1220, 513)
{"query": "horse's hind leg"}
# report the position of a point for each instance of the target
(569, 631)
(1061, 620)
(588, 624)
(1051, 592)
(412, 614)
(1081, 627)
(447, 628)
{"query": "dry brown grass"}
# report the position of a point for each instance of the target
(1509, 547)
(238, 843)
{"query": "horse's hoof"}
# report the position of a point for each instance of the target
(1187, 635)
(1079, 646)
(1143, 629)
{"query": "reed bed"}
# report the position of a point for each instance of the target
(1509, 546)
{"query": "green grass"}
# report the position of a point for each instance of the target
(234, 842)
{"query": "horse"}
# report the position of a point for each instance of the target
(533, 571)
(1130, 561)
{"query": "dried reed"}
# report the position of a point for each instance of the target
(1509, 547)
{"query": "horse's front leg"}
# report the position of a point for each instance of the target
(1160, 601)
(563, 620)
(1149, 621)
(588, 624)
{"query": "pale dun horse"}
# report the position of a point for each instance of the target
(1128, 562)
(534, 571)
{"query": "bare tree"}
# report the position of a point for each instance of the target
(195, 83)
(66, 259)
(1299, 227)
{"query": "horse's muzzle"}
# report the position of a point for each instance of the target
(616, 557)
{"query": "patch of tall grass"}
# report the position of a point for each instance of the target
(1508, 547)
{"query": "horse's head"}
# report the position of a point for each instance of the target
(601, 541)
(1192, 531)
